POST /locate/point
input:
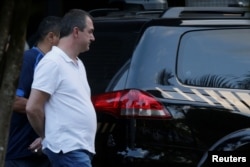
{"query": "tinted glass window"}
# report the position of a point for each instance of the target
(153, 61)
(119, 80)
(215, 58)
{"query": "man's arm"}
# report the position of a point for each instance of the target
(20, 104)
(35, 110)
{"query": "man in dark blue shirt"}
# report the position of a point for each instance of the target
(24, 145)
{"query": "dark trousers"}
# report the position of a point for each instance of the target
(34, 161)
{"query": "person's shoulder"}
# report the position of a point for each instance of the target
(33, 52)
(32, 55)
(54, 53)
(51, 56)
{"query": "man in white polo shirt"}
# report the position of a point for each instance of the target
(60, 108)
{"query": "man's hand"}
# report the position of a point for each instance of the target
(36, 145)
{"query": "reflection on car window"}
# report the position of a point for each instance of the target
(215, 58)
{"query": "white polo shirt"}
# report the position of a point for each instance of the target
(70, 118)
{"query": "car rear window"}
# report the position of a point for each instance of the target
(218, 58)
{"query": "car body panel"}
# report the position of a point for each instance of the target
(201, 112)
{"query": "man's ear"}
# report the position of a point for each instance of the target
(50, 36)
(75, 31)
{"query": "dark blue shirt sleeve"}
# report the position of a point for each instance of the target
(30, 60)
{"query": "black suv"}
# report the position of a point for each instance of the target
(182, 94)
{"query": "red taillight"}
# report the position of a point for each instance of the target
(130, 103)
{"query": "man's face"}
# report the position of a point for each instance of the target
(87, 35)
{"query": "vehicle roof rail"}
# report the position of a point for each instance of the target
(102, 11)
(149, 12)
(117, 13)
(208, 12)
